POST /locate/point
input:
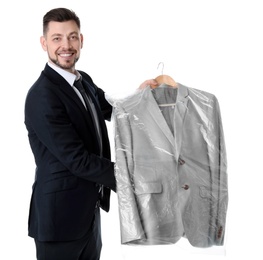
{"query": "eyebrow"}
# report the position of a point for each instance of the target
(59, 34)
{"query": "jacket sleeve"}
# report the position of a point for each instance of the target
(131, 226)
(106, 108)
(218, 167)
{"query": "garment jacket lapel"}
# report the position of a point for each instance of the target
(180, 112)
(156, 114)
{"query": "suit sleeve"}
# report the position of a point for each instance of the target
(218, 165)
(106, 108)
(131, 226)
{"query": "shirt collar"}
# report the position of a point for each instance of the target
(69, 77)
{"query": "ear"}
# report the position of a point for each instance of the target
(81, 40)
(43, 43)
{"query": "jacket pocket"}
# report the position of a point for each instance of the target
(61, 184)
(150, 187)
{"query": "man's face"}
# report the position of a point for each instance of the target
(63, 42)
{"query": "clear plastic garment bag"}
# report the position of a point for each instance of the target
(171, 166)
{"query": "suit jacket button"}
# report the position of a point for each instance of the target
(186, 187)
(219, 232)
(181, 161)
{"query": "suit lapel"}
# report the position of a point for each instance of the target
(67, 89)
(156, 114)
(180, 112)
(63, 85)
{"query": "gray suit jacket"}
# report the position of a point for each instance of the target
(170, 167)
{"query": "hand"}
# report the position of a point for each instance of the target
(151, 82)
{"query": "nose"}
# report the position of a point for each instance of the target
(66, 43)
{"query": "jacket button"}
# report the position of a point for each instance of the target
(186, 187)
(219, 232)
(181, 161)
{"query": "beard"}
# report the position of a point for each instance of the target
(67, 65)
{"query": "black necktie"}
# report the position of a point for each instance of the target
(79, 86)
(90, 106)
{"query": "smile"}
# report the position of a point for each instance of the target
(65, 54)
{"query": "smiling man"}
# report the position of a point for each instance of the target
(65, 115)
(69, 141)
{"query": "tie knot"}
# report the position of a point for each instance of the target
(79, 85)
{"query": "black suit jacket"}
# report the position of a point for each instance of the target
(66, 151)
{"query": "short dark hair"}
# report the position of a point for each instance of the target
(59, 15)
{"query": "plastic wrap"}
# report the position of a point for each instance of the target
(171, 167)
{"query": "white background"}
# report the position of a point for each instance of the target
(213, 45)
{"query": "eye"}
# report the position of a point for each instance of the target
(74, 37)
(56, 39)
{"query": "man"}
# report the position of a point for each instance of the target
(69, 140)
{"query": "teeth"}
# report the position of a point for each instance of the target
(65, 54)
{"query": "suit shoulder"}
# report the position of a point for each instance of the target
(200, 91)
(41, 88)
(36, 85)
(86, 76)
(201, 95)
(90, 81)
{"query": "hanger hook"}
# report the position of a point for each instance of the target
(159, 65)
